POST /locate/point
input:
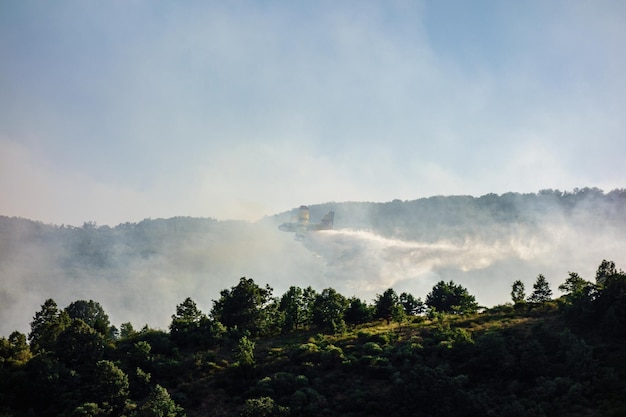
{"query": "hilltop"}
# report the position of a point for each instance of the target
(482, 242)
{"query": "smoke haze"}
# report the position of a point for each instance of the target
(139, 272)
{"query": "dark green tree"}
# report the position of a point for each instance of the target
(605, 270)
(46, 326)
(50, 384)
(111, 388)
(160, 404)
(292, 304)
(80, 346)
(244, 352)
(309, 295)
(242, 307)
(14, 351)
(263, 407)
(518, 292)
(358, 312)
(384, 304)
(187, 314)
(541, 290)
(412, 306)
(451, 298)
(191, 327)
(127, 330)
(329, 309)
(92, 313)
(610, 300)
(574, 284)
(398, 314)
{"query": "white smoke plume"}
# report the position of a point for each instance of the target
(140, 272)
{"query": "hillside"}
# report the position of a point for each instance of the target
(308, 353)
(135, 269)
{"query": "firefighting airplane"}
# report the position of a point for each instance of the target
(301, 226)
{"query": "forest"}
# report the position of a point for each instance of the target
(319, 353)
(138, 270)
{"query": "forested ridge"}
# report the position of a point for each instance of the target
(311, 348)
(437, 217)
(309, 352)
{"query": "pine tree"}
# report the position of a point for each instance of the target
(541, 291)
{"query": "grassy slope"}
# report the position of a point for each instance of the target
(525, 369)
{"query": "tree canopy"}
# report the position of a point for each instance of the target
(451, 298)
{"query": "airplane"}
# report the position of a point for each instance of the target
(301, 226)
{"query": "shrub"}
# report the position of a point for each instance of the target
(372, 348)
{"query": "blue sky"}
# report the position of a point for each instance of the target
(122, 110)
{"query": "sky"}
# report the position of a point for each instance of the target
(123, 110)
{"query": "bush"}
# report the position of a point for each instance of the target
(372, 348)
(263, 407)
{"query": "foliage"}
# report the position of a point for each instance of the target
(560, 359)
(92, 313)
(160, 404)
(190, 327)
(358, 312)
(46, 326)
(328, 310)
(574, 284)
(385, 303)
(80, 346)
(297, 306)
(518, 293)
(541, 291)
(263, 407)
(412, 306)
(243, 307)
(110, 387)
(244, 352)
(451, 298)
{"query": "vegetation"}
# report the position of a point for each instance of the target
(307, 353)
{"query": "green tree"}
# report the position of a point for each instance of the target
(451, 298)
(111, 387)
(518, 292)
(80, 346)
(50, 382)
(92, 313)
(263, 407)
(292, 304)
(46, 326)
(14, 351)
(384, 304)
(244, 352)
(328, 310)
(127, 330)
(609, 301)
(358, 312)
(541, 290)
(398, 314)
(160, 404)
(242, 307)
(90, 410)
(309, 295)
(412, 306)
(191, 327)
(574, 284)
(605, 270)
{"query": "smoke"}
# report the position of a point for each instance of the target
(140, 272)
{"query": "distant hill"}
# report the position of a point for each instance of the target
(138, 271)
(457, 217)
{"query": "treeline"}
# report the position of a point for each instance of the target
(488, 216)
(436, 357)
